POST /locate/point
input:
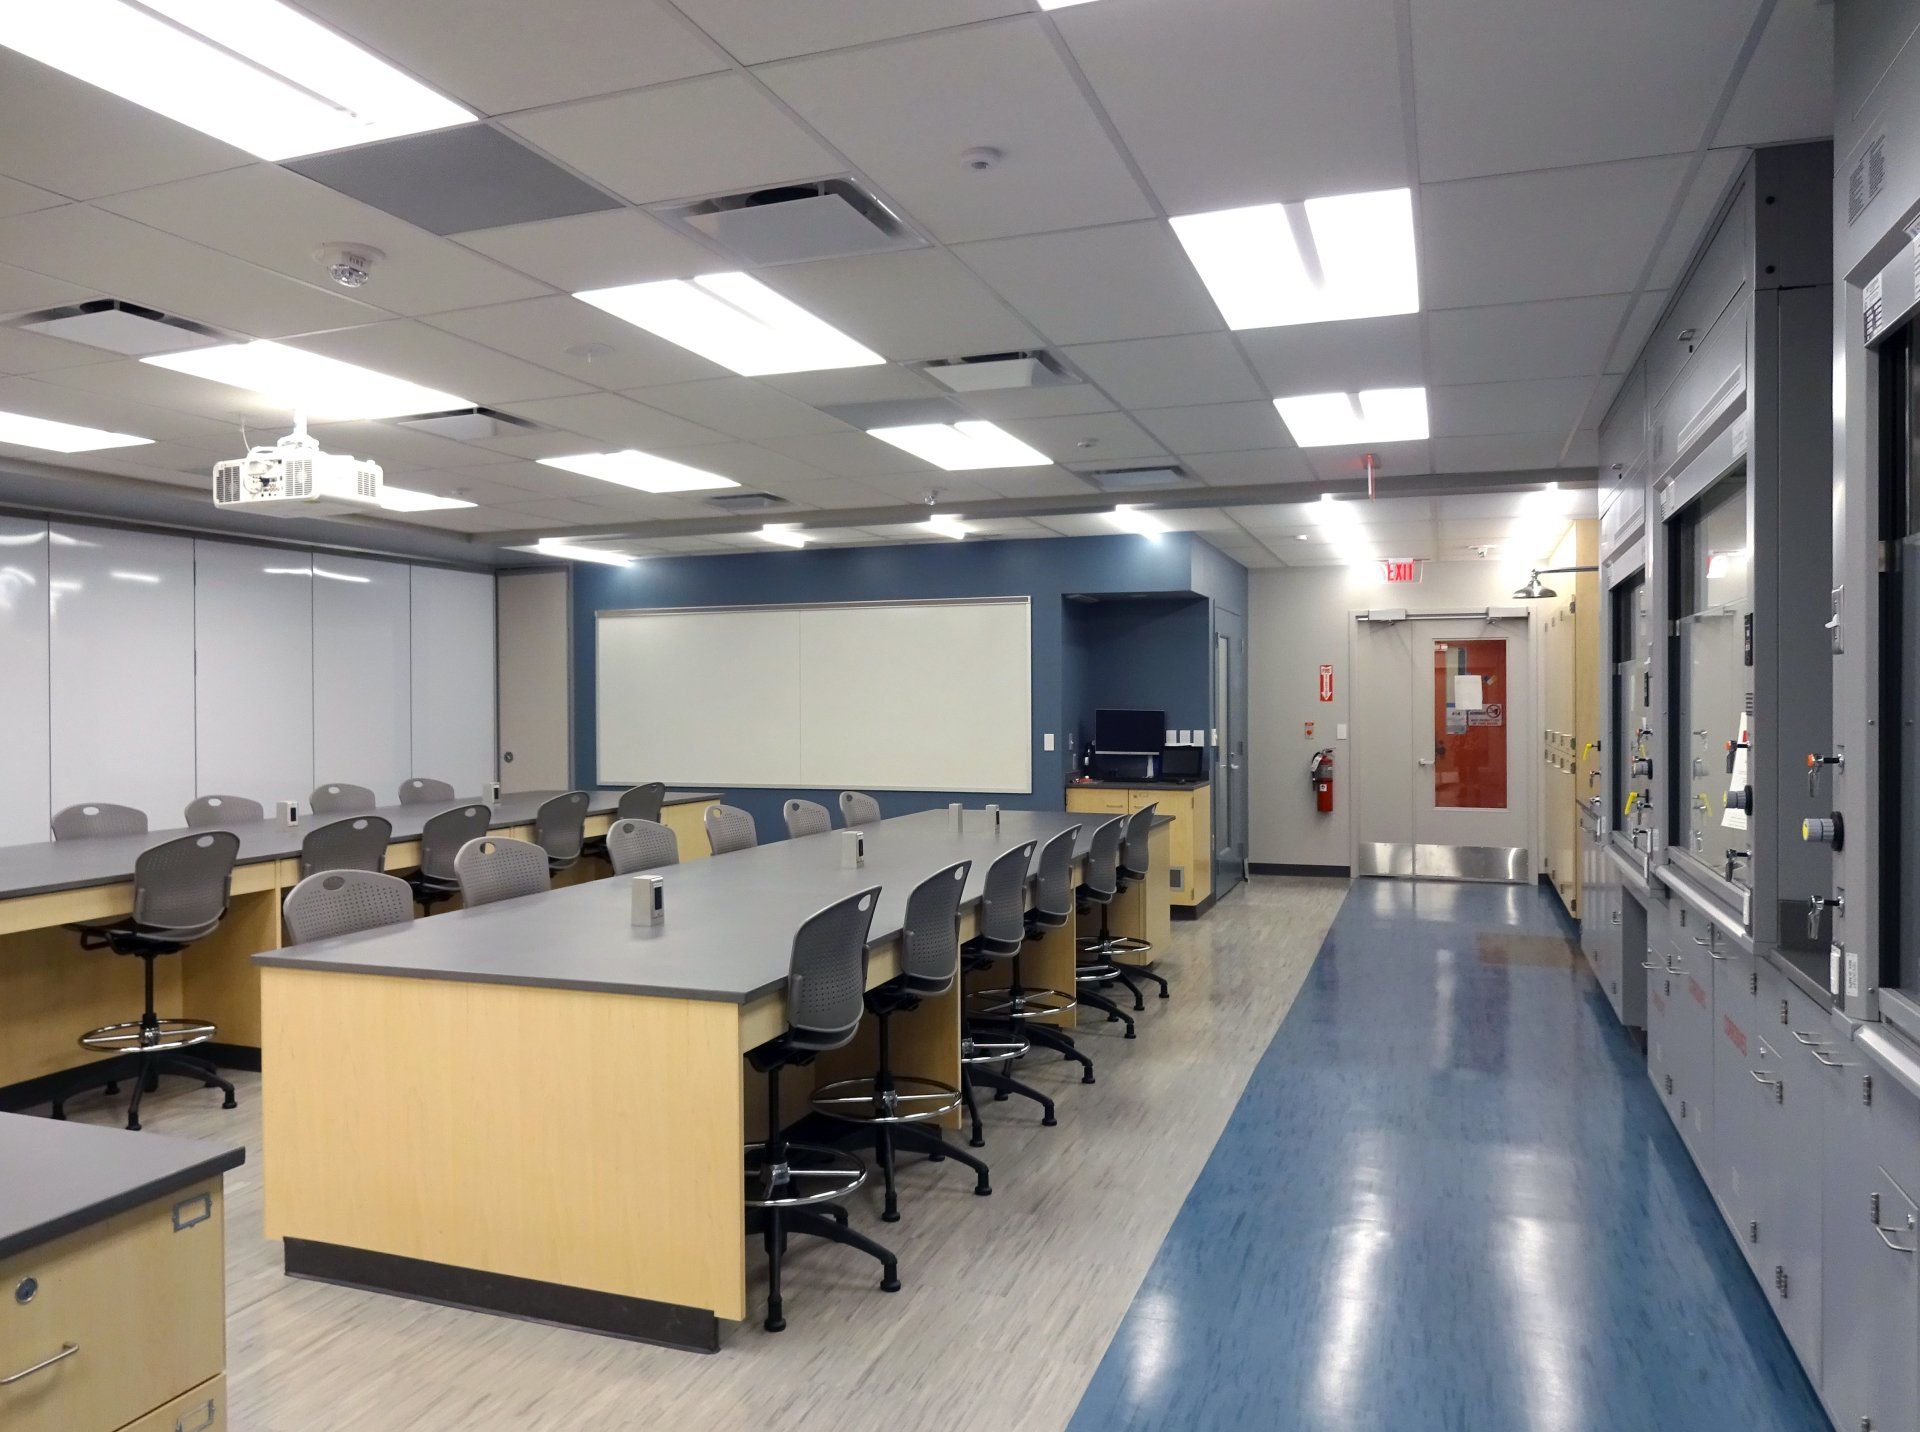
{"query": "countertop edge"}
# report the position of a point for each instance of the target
(101, 1210)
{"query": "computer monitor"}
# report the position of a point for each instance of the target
(1135, 733)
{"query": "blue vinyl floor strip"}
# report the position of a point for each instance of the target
(1449, 1199)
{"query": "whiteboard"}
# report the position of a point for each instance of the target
(933, 696)
(452, 695)
(253, 673)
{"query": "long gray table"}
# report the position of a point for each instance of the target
(52, 865)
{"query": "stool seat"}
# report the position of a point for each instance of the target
(910, 1100)
(138, 1036)
(784, 1182)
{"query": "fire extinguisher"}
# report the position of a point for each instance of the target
(1320, 776)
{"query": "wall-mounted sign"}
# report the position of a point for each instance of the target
(1400, 569)
(1326, 681)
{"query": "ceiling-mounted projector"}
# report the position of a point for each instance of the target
(293, 478)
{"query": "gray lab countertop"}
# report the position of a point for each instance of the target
(1183, 783)
(108, 859)
(728, 930)
(57, 1177)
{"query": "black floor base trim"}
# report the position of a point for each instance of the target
(1336, 872)
(637, 1319)
(231, 1056)
(1192, 912)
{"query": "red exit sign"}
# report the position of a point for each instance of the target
(1400, 569)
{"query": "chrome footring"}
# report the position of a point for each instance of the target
(994, 1051)
(1105, 973)
(137, 1038)
(808, 1174)
(912, 1100)
(1028, 1004)
(1127, 945)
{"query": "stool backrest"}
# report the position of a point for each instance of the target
(729, 829)
(642, 802)
(1136, 857)
(337, 799)
(1102, 878)
(357, 843)
(78, 822)
(1003, 903)
(443, 835)
(559, 826)
(222, 810)
(858, 808)
(345, 902)
(494, 867)
(827, 977)
(181, 887)
(424, 790)
(806, 818)
(930, 935)
(638, 845)
(1053, 879)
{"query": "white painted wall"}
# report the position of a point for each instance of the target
(1299, 617)
(536, 710)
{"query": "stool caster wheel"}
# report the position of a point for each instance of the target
(1087, 1078)
(60, 1114)
(229, 1102)
(111, 1090)
(890, 1283)
(1048, 1122)
(976, 1143)
(775, 1325)
(982, 1190)
(890, 1217)
(1129, 1033)
(133, 1126)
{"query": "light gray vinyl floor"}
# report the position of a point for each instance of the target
(1009, 1301)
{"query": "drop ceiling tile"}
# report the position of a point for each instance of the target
(1029, 482)
(618, 422)
(1787, 90)
(1559, 338)
(1491, 81)
(953, 487)
(1169, 372)
(22, 290)
(1646, 312)
(828, 492)
(593, 250)
(23, 352)
(18, 198)
(484, 520)
(429, 355)
(1246, 101)
(64, 398)
(1065, 401)
(841, 386)
(752, 465)
(542, 330)
(1534, 406)
(1718, 172)
(1091, 438)
(496, 56)
(704, 136)
(1499, 452)
(164, 390)
(849, 454)
(1098, 285)
(739, 408)
(1217, 427)
(905, 111)
(1557, 233)
(560, 509)
(1249, 469)
(1336, 357)
(273, 217)
(754, 32)
(913, 304)
(101, 143)
(1392, 460)
(116, 256)
(393, 447)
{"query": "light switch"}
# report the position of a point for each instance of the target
(1172, 738)
(1046, 741)
(1340, 731)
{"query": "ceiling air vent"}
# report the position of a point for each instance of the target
(469, 424)
(119, 328)
(1137, 479)
(829, 218)
(996, 372)
(747, 502)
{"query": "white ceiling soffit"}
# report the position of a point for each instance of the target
(1549, 225)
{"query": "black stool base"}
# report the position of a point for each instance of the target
(143, 1071)
(821, 1220)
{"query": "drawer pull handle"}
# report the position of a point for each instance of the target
(67, 1350)
(1896, 1247)
(206, 1413)
(1821, 1056)
(189, 1212)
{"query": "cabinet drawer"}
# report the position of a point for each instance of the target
(1100, 802)
(202, 1410)
(141, 1300)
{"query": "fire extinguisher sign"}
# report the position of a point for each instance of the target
(1326, 681)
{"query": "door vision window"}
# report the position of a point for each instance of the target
(1630, 704)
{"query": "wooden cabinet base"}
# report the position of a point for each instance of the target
(202, 1410)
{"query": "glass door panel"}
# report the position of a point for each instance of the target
(1469, 725)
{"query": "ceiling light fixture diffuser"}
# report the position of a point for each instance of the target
(1138, 521)
(257, 74)
(1373, 415)
(962, 447)
(784, 535)
(946, 525)
(326, 388)
(640, 470)
(406, 499)
(736, 321)
(49, 436)
(560, 547)
(1346, 256)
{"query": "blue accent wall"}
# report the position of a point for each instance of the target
(1151, 653)
(1169, 673)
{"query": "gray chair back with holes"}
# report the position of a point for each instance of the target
(1003, 903)
(357, 843)
(443, 837)
(181, 887)
(1136, 851)
(1053, 879)
(1101, 882)
(642, 802)
(339, 799)
(423, 790)
(806, 818)
(495, 868)
(77, 822)
(827, 978)
(729, 829)
(930, 935)
(559, 827)
(222, 810)
(637, 845)
(858, 809)
(345, 902)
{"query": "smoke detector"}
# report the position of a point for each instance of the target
(981, 158)
(348, 264)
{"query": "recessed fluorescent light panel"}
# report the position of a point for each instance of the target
(735, 321)
(255, 73)
(405, 499)
(1060, 4)
(784, 536)
(325, 388)
(641, 470)
(49, 436)
(1136, 520)
(962, 447)
(560, 547)
(1351, 256)
(1373, 415)
(945, 525)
